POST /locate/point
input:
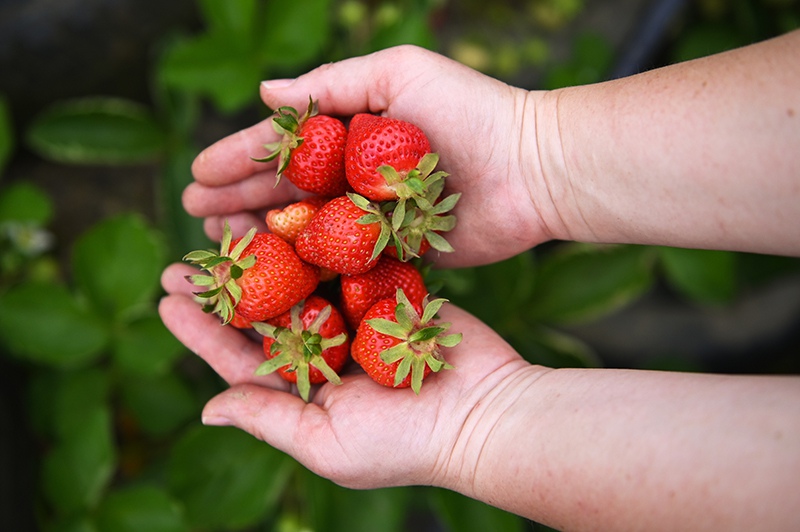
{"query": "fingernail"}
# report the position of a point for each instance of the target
(277, 83)
(216, 421)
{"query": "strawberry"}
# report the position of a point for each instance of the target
(344, 237)
(259, 275)
(306, 345)
(311, 150)
(399, 348)
(359, 292)
(288, 222)
(381, 153)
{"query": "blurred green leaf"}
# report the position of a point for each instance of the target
(75, 396)
(78, 469)
(139, 509)
(25, 202)
(705, 276)
(706, 39)
(554, 349)
(232, 19)
(592, 56)
(212, 66)
(580, 282)
(409, 27)
(296, 32)
(117, 264)
(44, 323)
(96, 131)
(184, 232)
(495, 292)
(145, 348)
(225, 478)
(160, 404)
(6, 134)
(462, 514)
(81, 523)
(332, 508)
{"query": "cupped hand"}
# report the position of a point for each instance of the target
(359, 434)
(483, 130)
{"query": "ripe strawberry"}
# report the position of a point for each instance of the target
(344, 237)
(359, 292)
(381, 153)
(311, 150)
(259, 275)
(307, 345)
(288, 222)
(397, 347)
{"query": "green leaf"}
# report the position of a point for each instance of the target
(96, 131)
(212, 66)
(25, 202)
(6, 134)
(232, 19)
(43, 323)
(146, 348)
(75, 396)
(510, 283)
(182, 230)
(140, 508)
(705, 276)
(160, 404)
(117, 264)
(579, 283)
(462, 514)
(225, 478)
(332, 508)
(296, 33)
(78, 469)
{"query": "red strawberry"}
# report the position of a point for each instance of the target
(307, 345)
(259, 275)
(361, 291)
(344, 237)
(288, 222)
(380, 154)
(311, 151)
(397, 347)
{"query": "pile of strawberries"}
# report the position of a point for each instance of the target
(333, 278)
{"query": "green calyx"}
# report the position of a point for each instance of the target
(297, 348)
(421, 340)
(417, 215)
(286, 123)
(221, 293)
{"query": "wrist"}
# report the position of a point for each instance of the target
(551, 191)
(468, 466)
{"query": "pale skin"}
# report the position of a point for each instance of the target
(701, 154)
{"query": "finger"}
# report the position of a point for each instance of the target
(231, 354)
(239, 223)
(174, 281)
(256, 191)
(269, 415)
(230, 159)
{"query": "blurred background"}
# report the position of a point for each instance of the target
(103, 106)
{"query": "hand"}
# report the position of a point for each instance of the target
(481, 128)
(359, 434)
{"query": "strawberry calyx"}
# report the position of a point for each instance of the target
(421, 340)
(300, 348)
(222, 293)
(286, 123)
